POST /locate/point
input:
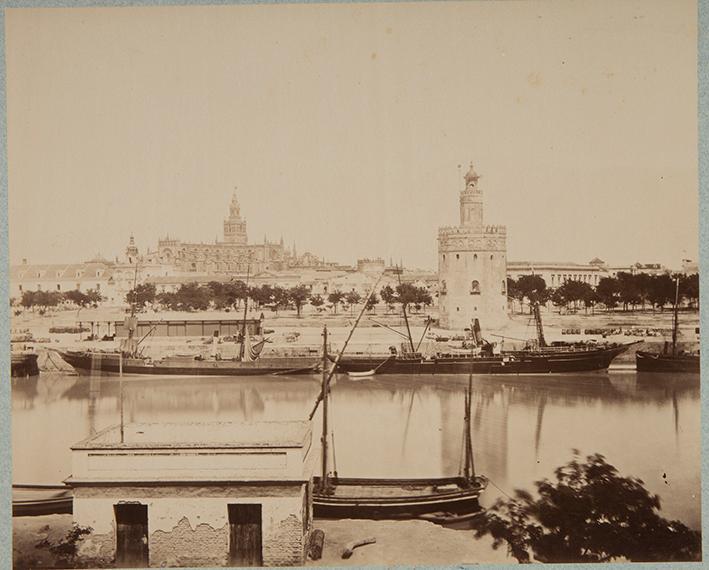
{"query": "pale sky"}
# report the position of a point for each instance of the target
(343, 127)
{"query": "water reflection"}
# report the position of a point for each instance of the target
(523, 427)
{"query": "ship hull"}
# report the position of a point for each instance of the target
(23, 365)
(109, 363)
(652, 362)
(397, 498)
(547, 362)
(40, 500)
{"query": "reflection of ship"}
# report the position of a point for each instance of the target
(668, 360)
(378, 498)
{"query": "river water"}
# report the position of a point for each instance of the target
(524, 427)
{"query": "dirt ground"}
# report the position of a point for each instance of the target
(407, 543)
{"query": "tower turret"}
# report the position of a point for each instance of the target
(131, 250)
(234, 225)
(471, 202)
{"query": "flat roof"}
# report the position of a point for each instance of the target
(201, 435)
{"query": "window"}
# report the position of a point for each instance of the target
(504, 287)
(20, 286)
(444, 288)
(98, 286)
(491, 256)
(444, 257)
(475, 288)
(475, 257)
(59, 287)
(457, 256)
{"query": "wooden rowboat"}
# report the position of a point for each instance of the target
(37, 500)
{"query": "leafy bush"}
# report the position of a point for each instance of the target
(589, 514)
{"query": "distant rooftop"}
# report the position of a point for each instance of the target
(201, 435)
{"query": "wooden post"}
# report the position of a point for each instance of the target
(675, 321)
(324, 483)
(120, 389)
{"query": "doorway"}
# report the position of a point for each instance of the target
(131, 535)
(245, 544)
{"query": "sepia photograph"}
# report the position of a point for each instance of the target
(353, 284)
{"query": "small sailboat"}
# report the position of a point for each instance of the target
(383, 498)
(669, 360)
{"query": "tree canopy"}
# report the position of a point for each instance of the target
(589, 513)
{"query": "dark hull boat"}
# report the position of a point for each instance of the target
(653, 362)
(543, 361)
(38, 500)
(85, 362)
(23, 364)
(670, 360)
(396, 498)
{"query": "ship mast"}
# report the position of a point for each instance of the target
(538, 323)
(675, 322)
(324, 480)
(246, 308)
(469, 467)
(325, 485)
(399, 271)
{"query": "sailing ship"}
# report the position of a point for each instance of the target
(536, 358)
(129, 359)
(668, 360)
(381, 498)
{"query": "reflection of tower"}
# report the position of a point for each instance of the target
(490, 431)
(452, 421)
(489, 410)
(234, 225)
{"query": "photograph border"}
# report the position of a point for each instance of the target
(5, 385)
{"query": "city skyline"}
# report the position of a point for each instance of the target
(351, 132)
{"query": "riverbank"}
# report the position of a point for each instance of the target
(287, 332)
(413, 542)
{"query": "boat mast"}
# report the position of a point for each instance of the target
(469, 466)
(323, 393)
(399, 271)
(675, 320)
(538, 322)
(246, 308)
(324, 480)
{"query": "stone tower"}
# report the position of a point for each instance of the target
(472, 266)
(131, 251)
(234, 225)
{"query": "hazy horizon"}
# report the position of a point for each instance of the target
(347, 128)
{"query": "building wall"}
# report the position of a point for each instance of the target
(189, 526)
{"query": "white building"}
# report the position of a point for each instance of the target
(203, 494)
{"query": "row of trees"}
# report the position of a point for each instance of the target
(230, 295)
(626, 290)
(46, 299)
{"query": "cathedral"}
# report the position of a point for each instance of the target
(472, 265)
(233, 254)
